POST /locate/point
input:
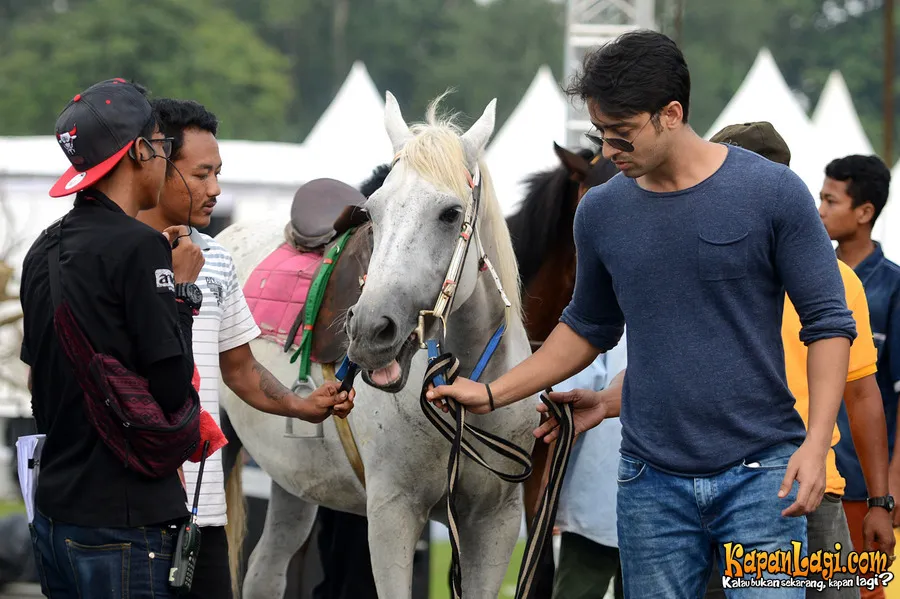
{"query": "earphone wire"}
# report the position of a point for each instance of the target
(190, 206)
(183, 180)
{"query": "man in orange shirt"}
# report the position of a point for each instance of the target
(827, 525)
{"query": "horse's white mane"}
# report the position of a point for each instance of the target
(436, 153)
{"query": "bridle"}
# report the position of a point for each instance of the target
(444, 368)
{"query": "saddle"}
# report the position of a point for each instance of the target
(321, 210)
(329, 341)
(320, 263)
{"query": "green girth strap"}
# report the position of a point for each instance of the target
(314, 302)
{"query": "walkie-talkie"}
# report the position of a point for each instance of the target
(181, 574)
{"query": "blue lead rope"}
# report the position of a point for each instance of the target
(433, 353)
(488, 352)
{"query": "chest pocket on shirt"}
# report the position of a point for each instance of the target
(723, 255)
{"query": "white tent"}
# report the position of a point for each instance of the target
(837, 122)
(524, 145)
(765, 96)
(349, 139)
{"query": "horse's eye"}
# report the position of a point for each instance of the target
(450, 215)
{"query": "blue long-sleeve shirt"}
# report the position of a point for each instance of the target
(700, 276)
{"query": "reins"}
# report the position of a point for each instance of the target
(444, 368)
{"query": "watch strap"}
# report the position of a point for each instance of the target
(885, 501)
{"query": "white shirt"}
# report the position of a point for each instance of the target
(224, 322)
(587, 503)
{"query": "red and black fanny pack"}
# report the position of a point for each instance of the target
(117, 401)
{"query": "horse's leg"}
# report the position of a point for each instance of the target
(395, 525)
(487, 540)
(289, 521)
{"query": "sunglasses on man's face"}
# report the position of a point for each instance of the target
(616, 142)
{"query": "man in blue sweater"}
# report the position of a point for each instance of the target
(693, 245)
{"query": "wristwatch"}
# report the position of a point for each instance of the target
(190, 294)
(887, 502)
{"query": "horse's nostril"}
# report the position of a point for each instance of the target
(386, 331)
(349, 314)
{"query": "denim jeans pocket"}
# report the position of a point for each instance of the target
(100, 570)
(39, 561)
(167, 542)
(629, 469)
(773, 458)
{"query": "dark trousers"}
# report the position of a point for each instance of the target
(585, 569)
(212, 579)
(346, 563)
(76, 562)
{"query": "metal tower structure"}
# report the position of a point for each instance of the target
(590, 23)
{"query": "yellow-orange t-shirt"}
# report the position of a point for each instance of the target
(863, 356)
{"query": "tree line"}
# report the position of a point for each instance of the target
(269, 68)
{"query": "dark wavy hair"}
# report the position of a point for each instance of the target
(640, 71)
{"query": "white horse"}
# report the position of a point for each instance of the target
(416, 218)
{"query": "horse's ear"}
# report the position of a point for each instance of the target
(577, 166)
(476, 138)
(397, 129)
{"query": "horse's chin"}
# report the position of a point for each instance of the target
(403, 359)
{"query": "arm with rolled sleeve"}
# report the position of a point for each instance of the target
(808, 268)
(594, 311)
(159, 326)
(806, 263)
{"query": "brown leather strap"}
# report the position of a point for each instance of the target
(345, 434)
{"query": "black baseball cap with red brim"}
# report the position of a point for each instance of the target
(96, 129)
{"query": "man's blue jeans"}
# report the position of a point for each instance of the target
(669, 525)
(75, 562)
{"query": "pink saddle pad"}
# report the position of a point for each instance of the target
(277, 290)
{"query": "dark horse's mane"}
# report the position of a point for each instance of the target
(375, 180)
(545, 216)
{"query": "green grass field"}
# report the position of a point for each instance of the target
(440, 566)
(11, 507)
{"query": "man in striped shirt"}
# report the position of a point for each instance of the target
(223, 329)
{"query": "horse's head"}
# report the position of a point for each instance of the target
(588, 170)
(416, 218)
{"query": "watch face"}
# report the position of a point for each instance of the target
(194, 294)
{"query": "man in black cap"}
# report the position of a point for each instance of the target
(101, 530)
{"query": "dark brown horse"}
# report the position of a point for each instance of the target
(541, 233)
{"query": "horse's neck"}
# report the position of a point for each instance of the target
(472, 324)
(549, 291)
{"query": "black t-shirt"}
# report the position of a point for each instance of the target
(116, 275)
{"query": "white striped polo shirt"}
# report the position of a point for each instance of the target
(224, 322)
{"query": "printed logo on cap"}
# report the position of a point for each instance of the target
(75, 180)
(67, 140)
